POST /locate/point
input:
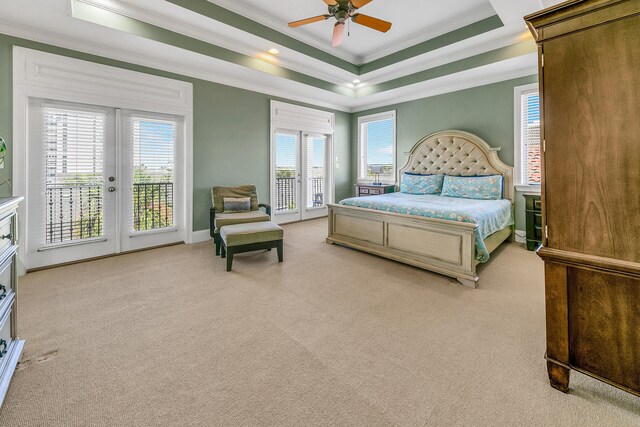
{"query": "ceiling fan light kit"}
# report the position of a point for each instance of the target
(342, 11)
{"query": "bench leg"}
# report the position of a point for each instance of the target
(217, 240)
(229, 259)
(223, 251)
(280, 251)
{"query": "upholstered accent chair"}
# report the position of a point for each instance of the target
(218, 218)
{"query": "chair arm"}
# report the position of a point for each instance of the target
(212, 221)
(266, 208)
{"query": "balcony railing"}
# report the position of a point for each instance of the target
(286, 194)
(76, 212)
(152, 206)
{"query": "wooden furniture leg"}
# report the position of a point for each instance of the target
(558, 376)
(280, 251)
(229, 258)
(217, 241)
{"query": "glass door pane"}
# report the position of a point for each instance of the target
(287, 173)
(150, 195)
(72, 212)
(316, 170)
(154, 144)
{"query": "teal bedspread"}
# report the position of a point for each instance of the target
(489, 215)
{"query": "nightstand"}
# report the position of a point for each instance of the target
(374, 190)
(533, 214)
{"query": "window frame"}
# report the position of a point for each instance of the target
(518, 91)
(362, 150)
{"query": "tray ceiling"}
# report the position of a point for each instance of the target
(413, 21)
(435, 46)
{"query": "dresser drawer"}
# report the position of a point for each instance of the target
(5, 336)
(533, 203)
(537, 219)
(363, 190)
(6, 283)
(6, 238)
(374, 191)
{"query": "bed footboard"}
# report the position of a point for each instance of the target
(445, 247)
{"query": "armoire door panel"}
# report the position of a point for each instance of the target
(604, 314)
(592, 142)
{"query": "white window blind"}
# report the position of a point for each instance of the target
(286, 171)
(73, 149)
(316, 170)
(150, 174)
(377, 147)
(530, 138)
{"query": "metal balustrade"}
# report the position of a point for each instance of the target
(75, 212)
(286, 193)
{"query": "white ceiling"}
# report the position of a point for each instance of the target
(51, 21)
(413, 21)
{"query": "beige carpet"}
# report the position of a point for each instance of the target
(331, 337)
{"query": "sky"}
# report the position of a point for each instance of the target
(155, 144)
(533, 110)
(286, 151)
(380, 142)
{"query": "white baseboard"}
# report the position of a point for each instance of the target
(200, 236)
(521, 236)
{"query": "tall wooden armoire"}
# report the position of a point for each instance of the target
(590, 100)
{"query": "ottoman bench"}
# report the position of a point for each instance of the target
(249, 237)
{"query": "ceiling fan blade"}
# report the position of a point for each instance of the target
(371, 22)
(318, 18)
(330, 2)
(338, 35)
(359, 3)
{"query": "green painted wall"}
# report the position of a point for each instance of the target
(230, 131)
(486, 111)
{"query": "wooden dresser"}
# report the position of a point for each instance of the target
(10, 345)
(533, 216)
(590, 100)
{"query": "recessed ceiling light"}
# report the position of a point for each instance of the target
(356, 81)
(273, 51)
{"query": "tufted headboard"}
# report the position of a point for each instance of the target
(454, 152)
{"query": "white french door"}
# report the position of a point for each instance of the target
(301, 175)
(101, 181)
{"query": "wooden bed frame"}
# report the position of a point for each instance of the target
(446, 247)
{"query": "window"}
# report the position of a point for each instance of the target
(153, 142)
(377, 146)
(73, 149)
(527, 139)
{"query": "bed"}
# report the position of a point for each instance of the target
(446, 235)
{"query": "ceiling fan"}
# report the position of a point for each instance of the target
(343, 10)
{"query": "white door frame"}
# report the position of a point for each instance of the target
(43, 75)
(291, 117)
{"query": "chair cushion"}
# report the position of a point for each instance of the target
(223, 219)
(255, 232)
(219, 193)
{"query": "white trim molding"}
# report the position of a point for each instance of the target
(518, 91)
(360, 154)
(301, 121)
(44, 75)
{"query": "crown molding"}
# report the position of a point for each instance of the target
(242, 42)
(253, 80)
(451, 25)
(269, 21)
(522, 66)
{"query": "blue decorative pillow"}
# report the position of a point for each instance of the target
(473, 187)
(421, 184)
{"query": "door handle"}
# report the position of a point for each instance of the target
(111, 189)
